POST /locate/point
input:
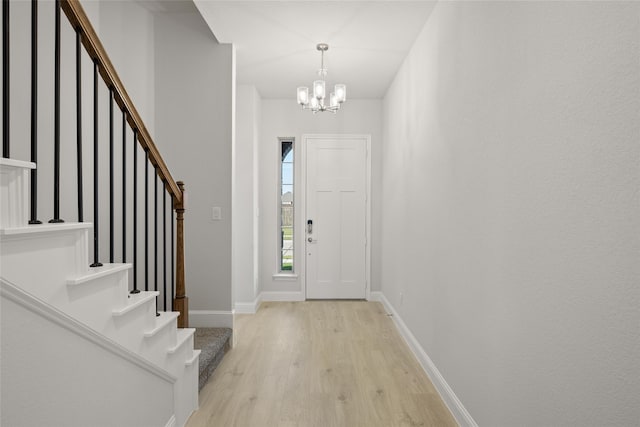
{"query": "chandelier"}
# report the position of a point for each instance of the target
(317, 101)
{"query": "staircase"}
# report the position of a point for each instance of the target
(45, 271)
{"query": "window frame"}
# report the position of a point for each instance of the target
(279, 232)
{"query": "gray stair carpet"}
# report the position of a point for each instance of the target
(214, 343)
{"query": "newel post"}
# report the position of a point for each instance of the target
(181, 302)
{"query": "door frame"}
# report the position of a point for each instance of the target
(302, 238)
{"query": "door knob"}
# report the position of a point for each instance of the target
(310, 239)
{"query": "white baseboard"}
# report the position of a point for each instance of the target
(248, 307)
(459, 412)
(210, 319)
(171, 422)
(282, 296)
(253, 306)
(376, 296)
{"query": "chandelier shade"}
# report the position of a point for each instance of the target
(316, 102)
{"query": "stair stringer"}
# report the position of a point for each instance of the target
(66, 373)
(50, 261)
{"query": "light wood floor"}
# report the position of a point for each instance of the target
(319, 363)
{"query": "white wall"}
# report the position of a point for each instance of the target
(511, 208)
(194, 110)
(127, 33)
(245, 195)
(284, 118)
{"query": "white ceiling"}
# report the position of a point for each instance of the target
(276, 41)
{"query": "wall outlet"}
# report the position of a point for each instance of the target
(216, 213)
(401, 298)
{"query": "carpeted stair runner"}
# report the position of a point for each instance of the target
(214, 343)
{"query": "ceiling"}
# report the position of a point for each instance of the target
(276, 41)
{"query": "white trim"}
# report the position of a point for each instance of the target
(135, 301)
(248, 307)
(456, 408)
(171, 422)
(210, 319)
(282, 296)
(18, 232)
(192, 359)
(253, 307)
(41, 308)
(376, 296)
(17, 163)
(98, 272)
(183, 335)
(303, 202)
(285, 277)
(165, 319)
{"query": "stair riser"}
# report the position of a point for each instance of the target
(93, 302)
(174, 363)
(156, 347)
(130, 327)
(42, 263)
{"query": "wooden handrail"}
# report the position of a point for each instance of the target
(80, 22)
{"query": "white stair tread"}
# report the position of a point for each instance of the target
(191, 361)
(136, 300)
(17, 163)
(97, 272)
(45, 228)
(165, 318)
(183, 337)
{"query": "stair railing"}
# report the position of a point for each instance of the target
(103, 68)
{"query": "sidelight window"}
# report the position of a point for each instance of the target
(285, 206)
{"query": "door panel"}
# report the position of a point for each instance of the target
(336, 203)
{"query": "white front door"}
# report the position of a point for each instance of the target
(336, 217)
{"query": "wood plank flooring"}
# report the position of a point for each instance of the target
(319, 364)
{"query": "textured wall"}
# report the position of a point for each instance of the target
(194, 111)
(511, 208)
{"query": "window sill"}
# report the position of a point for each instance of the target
(285, 276)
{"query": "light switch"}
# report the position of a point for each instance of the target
(216, 213)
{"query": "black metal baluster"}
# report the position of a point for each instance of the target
(173, 247)
(96, 240)
(5, 79)
(111, 211)
(124, 186)
(164, 245)
(56, 112)
(34, 112)
(135, 212)
(155, 238)
(146, 220)
(79, 122)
